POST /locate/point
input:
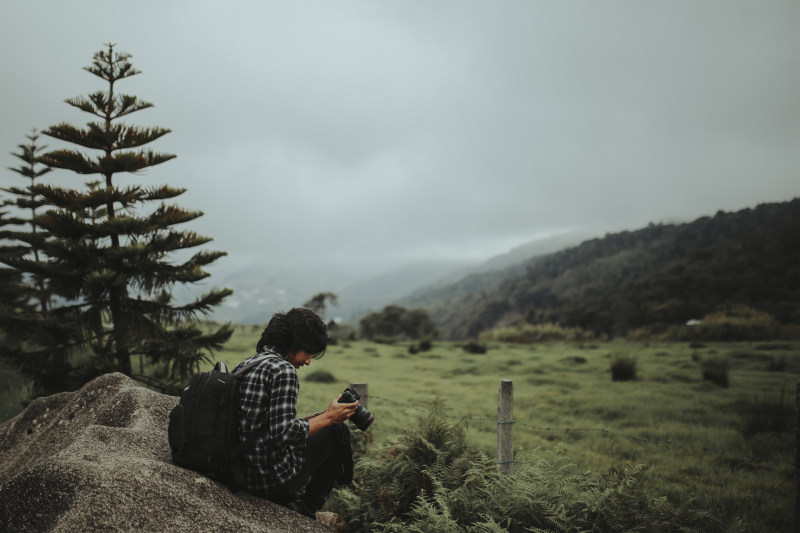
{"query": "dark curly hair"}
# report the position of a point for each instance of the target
(299, 329)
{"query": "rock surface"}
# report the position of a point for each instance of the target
(98, 459)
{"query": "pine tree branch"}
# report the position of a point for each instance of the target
(162, 193)
(102, 136)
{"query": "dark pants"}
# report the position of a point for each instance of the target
(322, 466)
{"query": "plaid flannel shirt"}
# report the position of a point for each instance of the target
(268, 395)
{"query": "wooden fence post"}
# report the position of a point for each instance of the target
(505, 427)
(363, 392)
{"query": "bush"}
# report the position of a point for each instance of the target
(767, 416)
(474, 347)
(772, 346)
(735, 323)
(413, 349)
(715, 370)
(778, 363)
(529, 333)
(623, 368)
(425, 345)
(321, 376)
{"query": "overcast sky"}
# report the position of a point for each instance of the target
(371, 133)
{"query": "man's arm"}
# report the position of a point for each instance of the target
(335, 413)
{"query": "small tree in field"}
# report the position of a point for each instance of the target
(317, 303)
(108, 253)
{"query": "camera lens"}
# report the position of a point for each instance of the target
(361, 418)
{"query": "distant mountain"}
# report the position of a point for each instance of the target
(492, 271)
(535, 248)
(363, 297)
(263, 289)
(662, 274)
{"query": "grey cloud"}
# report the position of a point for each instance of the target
(373, 133)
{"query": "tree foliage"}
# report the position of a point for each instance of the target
(654, 277)
(110, 251)
(27, 201)
(317, 303)
(395, 321)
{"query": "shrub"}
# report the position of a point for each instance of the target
(623, 368)
(767, 415)
(413, 349)
(474, 347)
(425, 345)
(738, 323)
(321, 376)
(715, 370)
(778, 363)
(528, 333)
(773, 346)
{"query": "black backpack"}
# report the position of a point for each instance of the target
(202, 427)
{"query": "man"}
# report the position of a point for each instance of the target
(290, 453)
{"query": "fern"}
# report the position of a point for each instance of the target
(428, 479)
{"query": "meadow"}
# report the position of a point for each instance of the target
(729, 448)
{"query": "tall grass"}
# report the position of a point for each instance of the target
(668, 402)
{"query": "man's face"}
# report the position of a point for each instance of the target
(299, 358)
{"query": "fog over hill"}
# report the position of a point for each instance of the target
(262, 289)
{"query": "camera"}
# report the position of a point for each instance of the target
(361, 418)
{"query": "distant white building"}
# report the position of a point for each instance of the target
(693, 322)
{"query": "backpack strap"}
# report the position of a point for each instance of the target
(345, 475)
(255, 434)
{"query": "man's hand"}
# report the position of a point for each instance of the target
(338, 412)
(335, 413)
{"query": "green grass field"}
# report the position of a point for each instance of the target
(733, 448)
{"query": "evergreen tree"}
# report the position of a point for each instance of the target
(108, 253)
(27, 201)
(13, 295)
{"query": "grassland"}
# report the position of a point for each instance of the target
(732, 447)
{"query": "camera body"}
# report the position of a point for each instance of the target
(361, 418)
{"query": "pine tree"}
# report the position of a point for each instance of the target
(108, 253)
(14, 297)
(30, 343)
(27, 201)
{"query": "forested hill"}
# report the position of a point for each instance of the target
(659, 275)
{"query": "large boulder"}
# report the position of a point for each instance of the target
(97, 459)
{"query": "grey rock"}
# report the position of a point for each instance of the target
(98, 459)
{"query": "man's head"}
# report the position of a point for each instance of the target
(298, 330)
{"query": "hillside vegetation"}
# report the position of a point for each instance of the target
(652, 278)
